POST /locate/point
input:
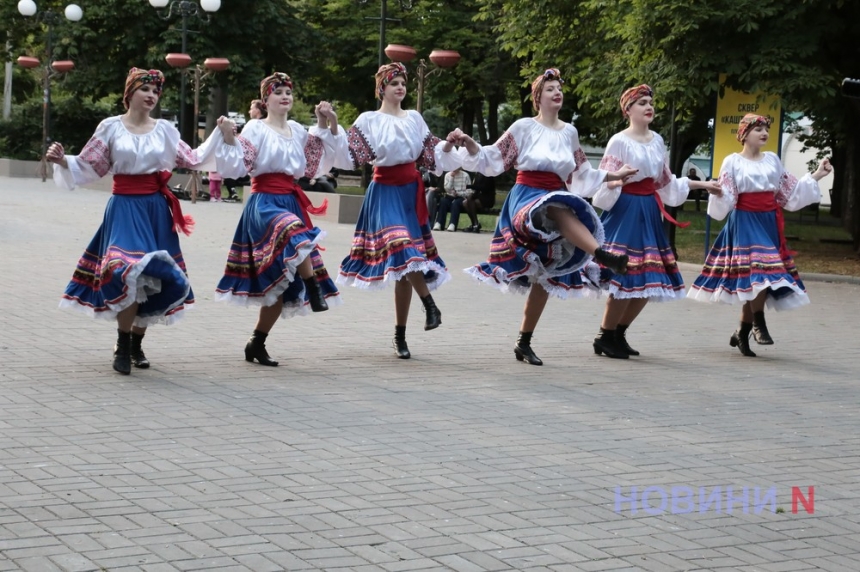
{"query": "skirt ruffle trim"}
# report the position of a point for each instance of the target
(137, 284)
(442, 276)
(653, 294)
(500, 280)
(796, 299)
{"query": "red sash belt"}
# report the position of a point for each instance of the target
(283, 184)
(405, 174)
(540, 180)
(648, 187)
(763, 202)
(151, 184)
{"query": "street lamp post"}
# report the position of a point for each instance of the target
(73, 13)
(441, 58)
(185, 9)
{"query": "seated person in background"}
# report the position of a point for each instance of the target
(483, 197)
(431, 191)
(457, 184)
(325, 184)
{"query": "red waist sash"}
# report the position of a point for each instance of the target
(648, 187)
(763, 202)
(151, 184)
(283, 184)
(540, 180)
(403, 175)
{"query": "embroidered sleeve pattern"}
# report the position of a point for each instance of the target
(579, 157)
(97, 155)
(428, 153)
(508, 147)
(249, 153)
(665, 177)
(610, 163)
(787, 184)
(186, 158)
(727, 182)
(359, 149)
(313, 155)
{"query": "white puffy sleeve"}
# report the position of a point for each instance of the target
(673, 190)
(613, 159)
(495, 159)
(719, 207)
(354, 150)
(93, 162)
(321, 150)
(585, 179)
(793, 194)
(215, 154)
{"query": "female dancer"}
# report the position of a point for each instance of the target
(750, 263)
(133, 270)
(545, 234)
(392, 240)
(275, 240)
(633, 223)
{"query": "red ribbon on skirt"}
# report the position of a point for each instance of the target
(763, 202)
(283, 184)
(405, 174)
(540, 180)
(151, 184)
(648, 187)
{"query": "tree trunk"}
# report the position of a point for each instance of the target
(525, 102)
(478, 106)
(467, 112)
(217, 107)
(493, 117)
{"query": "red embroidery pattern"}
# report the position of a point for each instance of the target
(787, 183)
(186, 158)
(313, 155)
(361, 151)
(611, 163)
(508, 147)
(579, 157)
(249, 153)
(96, 154)
(665, 177)
(428, 152)
(727, 182)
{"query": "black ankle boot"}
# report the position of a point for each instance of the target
(615, 262)
(605, 343)
(621, 339)
(433, 318)
(759, 329)
(523, 350)
(122, 352)
(255, 349)
(315, 295)
(138, 358)
(400, 347)
(741, 339)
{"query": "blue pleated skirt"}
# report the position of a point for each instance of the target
(270, 242)
(527, 248)
(745, 260)
(133, 257)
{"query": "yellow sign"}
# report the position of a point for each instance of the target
(731, 108)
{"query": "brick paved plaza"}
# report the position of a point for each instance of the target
(345, 458)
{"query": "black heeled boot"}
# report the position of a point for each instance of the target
(138, 358)
(621, 339)
(615, 262)
(741, 339)
(255, 349)
(759, 329)
(315, 295)
(122, 352)
(433, 317)
(400, 347)
(605, 343)
(523, 350)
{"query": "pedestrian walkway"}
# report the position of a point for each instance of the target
(345, 458)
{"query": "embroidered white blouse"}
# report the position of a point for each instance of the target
(386, 141)
(114, 149)
(529, 146)
(653, 163)
(267, 151)
(741, 175)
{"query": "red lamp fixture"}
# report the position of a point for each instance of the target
(445, 58)
(28, 62)
(63, 66)
(400, 53)
(178, 60)
(216, 64)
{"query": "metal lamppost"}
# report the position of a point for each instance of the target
(73, 13)
(186, 9)
(442, 59)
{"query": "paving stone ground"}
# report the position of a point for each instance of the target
(345, 458)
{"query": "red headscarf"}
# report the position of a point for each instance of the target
(387, 73)
(633, 95)
(749, 121)
(552, 74)
(273, 82)
(137, 78)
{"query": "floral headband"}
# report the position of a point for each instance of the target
(551, 74)
(137, 78)
(273, 82)
(750, 121)
(633, 95)
(387, 73)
